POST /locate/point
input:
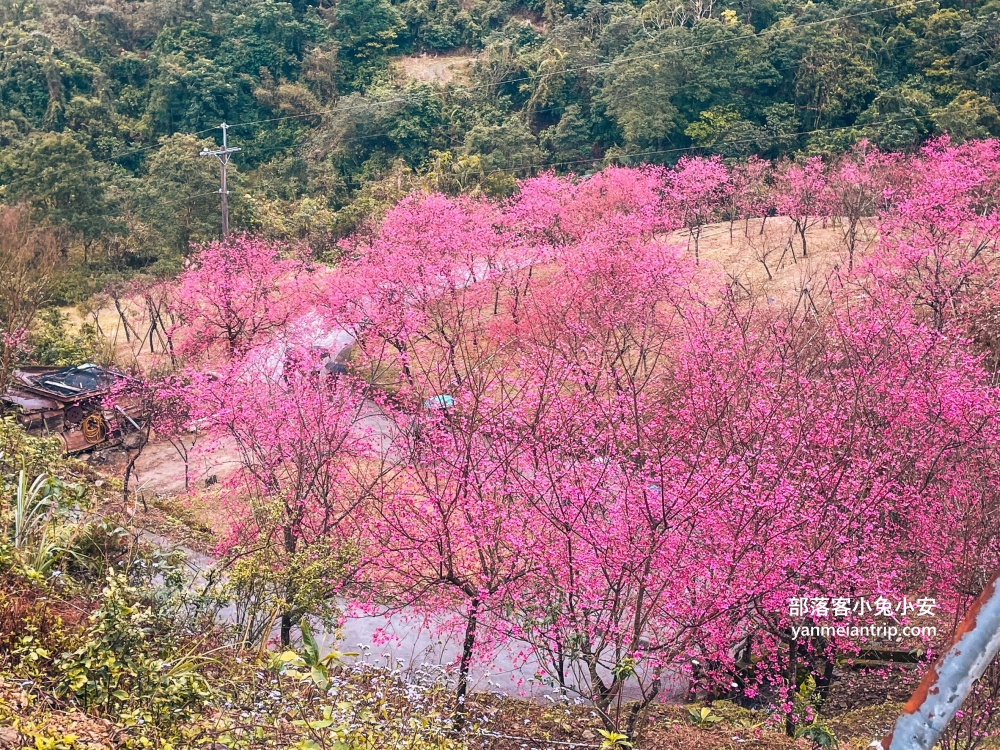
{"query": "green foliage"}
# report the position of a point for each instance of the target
(43, 501)
(818, 733)
(309, 665)
(505, 146)
(350, 713)
(61, 181)
(52, 344)
(40, 529)
(266, 583)
(271, 35)
(968, 116)
(440, 25)
(180, 192)
(613, 740)
(805, 702)
(702, 716)
(122, 671)
(898, 119)
(21, 451)
(367, 32)
(100, 128)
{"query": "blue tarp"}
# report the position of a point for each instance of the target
(443, 401)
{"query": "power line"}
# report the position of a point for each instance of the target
(523, 167)
(150, 147)
(356, 138)
(222, 155)
(186, 198)
(778, 136)
(658, 152)
(554, 108)
(680, 149)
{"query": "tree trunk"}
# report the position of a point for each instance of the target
(288, 538)
(286, 629)
(825, 681)
(463, 668)
(640, 710)
(792, 680)
(133, 456)
(852, 242)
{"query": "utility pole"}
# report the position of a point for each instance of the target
(222, 155)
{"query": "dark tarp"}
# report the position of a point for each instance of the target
(71, 382)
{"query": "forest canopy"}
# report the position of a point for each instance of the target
(341, 108)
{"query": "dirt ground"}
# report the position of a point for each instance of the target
(434, 68)
(162, 501)
(160, 468)
(763, 258)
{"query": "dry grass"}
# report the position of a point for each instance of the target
(123, 347)
(756, 256)
(29, 722)
(764, 259)
(514, 724)
(434, 68)
(856, 729)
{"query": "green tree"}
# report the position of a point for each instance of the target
(24, 80)
(968, 116)
(268, 34)
(832, 83)
(190, 87)
(663, 83)
(724, 131)
(572, 138)
(367, 31)
(898, 119)
(940, 38)
(506, 147)
(180, 195)
(415, 125)
(977, 60)
(61, 182)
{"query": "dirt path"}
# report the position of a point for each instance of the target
(401, 639)
(160, 468)
(404, 640)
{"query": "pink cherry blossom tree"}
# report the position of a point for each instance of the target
(749, 196)
(939, 238)
(401, 284)
(558, 428)
(234, 295)
(860, 184)
(307, 460)
(449, 538)
(698, 189)
(801, 194)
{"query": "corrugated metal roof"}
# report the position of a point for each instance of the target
(66, 383)
(29, 401)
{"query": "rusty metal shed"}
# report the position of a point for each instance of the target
(67, 402)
